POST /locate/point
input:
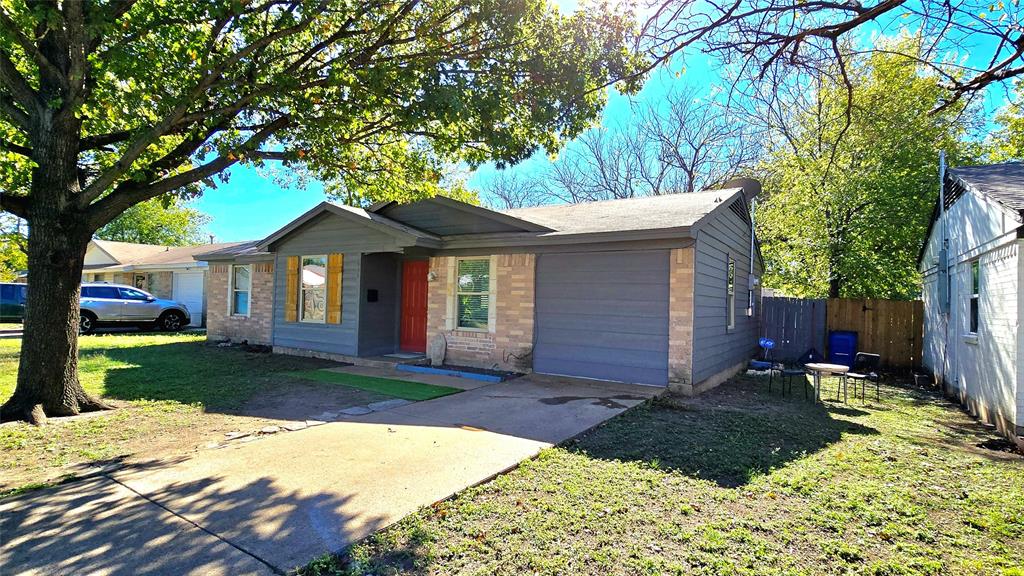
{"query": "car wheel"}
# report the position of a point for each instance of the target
(172, 321)
(86, 323)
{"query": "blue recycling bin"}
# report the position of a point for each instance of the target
(842, 347)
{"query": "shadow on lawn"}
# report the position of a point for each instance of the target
(715, 437)
(221, 379)
(107, 527)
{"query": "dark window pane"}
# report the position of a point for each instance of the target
(101, 292)
(975, 277)
(974, 314)
(473, 310)
(474, 275)
(86, 292)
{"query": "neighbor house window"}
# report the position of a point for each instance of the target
(975, 296)
(730, 293)
(313, 293)
(239, 289)
(473, 293)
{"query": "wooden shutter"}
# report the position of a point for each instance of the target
(335, 271)
(291, 298)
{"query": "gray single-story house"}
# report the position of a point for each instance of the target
(973, 276)
(658, 290)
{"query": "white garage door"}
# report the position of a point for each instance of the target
(603, 315)
(188, 289)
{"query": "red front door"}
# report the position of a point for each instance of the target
(413, 335)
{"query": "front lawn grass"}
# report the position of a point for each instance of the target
(173, 392)
(404, 389)
(735, 482)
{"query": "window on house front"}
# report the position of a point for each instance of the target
(313, 293)
(730, 293)
(241, 286)
(975, 296)
(473, 293)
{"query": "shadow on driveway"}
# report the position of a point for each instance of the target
(101, 526)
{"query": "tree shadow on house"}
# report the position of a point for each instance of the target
(207, 526)
(727, 436)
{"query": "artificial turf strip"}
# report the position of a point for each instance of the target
(398, 388)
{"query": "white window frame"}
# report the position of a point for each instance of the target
(454, 303)
(730, 293)
(302, 292)
(231, 290)
(974, 294)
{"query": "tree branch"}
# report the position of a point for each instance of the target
(15, 148)
(17, 205)
(129, 193)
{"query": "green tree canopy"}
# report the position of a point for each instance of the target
(849, 196)
(105, 104)
(1007, 143)
(165, 221)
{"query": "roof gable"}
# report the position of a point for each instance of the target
(358, 216)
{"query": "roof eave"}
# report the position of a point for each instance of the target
(504, 239)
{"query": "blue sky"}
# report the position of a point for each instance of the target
(251, 206)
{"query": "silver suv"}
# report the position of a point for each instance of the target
(120, 305)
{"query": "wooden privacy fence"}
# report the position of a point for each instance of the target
(795, 324)
(893, 329)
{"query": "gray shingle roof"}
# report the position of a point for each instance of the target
(627, 214)
(236, 249)
(1004, 183)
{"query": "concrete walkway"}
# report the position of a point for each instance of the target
(269, 506)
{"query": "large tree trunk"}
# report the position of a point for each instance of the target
(58, 236)
(48, 370)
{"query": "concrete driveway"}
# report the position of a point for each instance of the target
(271, 505)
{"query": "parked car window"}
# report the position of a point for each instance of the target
(313, 297)
(473, 292)
(7, 292)
(130, 294)
(241, 284)
(975, 295)
(100, 292)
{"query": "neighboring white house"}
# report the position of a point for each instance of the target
(973, 342)
(165, 271)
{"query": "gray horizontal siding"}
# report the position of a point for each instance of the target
(331, 233)
(325, 235)
(336, 338)
(715, 347)
(443, 220)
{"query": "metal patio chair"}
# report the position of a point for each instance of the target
(864, 370)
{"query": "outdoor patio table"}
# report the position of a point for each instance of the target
(819, 368)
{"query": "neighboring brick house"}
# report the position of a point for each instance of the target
(657, 290)
(169, 272)
(973, 275)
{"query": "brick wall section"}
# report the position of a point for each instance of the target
(160, 284)
(255, 328)
(680, 320)
(508, 344)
